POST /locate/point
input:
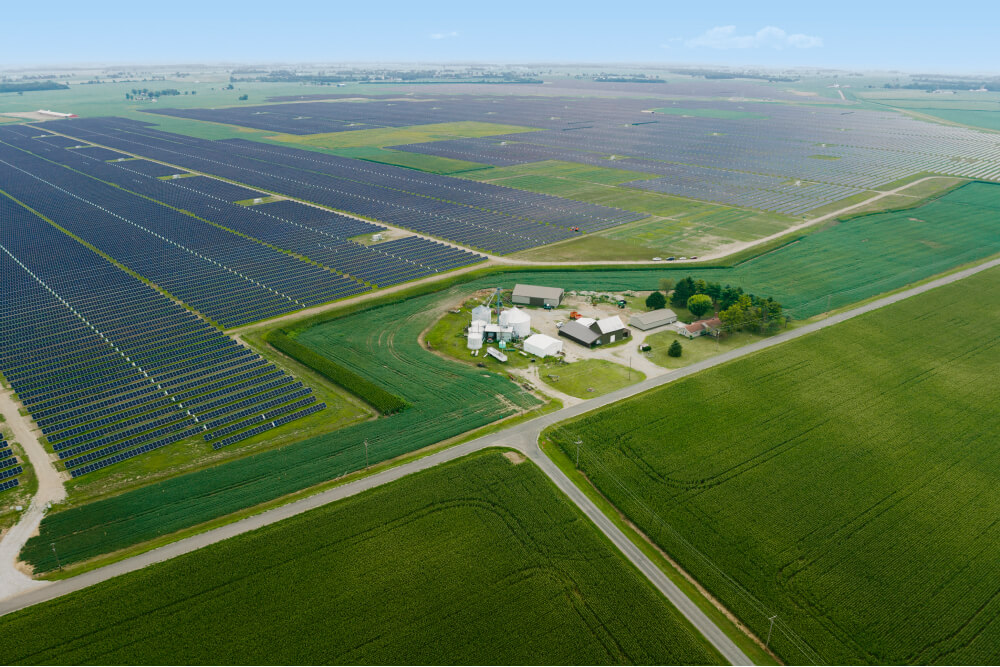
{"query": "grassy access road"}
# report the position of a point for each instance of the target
(479, 560)
(847, 483)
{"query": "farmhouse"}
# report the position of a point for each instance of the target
(541, 345)
(699, 328)
(590, 332)
(653, 319)
(535, 295)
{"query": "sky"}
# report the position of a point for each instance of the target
(874, 34)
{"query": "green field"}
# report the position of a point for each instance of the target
(847, 481)
(843, 264)
(479, 561)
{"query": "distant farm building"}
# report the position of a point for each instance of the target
(535, 295)
(653, 319)
(710, 326)
(589, 332)
(56, 114)
(541, 345)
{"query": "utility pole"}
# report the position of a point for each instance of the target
(578, 443)
(56, 555)
(366, 454)
(769, 630)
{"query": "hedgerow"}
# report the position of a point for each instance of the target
(369, 392)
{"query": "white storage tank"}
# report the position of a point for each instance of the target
(518, 320)
(476, 334)
(482, 313)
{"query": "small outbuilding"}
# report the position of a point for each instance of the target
(653, 319)
(541, 345)
(536, 295)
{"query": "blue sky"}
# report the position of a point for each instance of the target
(884, 34)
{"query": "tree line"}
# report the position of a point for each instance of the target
(737, 310)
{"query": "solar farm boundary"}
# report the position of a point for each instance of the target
(524, 437)
(270, 193)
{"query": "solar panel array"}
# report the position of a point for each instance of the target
(111, 369)
(491, 218)
(9, 468)
(790, 159)
(324, 238)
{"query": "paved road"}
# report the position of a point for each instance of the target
(523, 437)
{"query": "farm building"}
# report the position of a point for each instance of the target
(497, 332)
(535, 295)
(517, 319)
(699, 328)
(653, 319)
(541, 345)
(590, 332)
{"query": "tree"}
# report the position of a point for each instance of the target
(675, 349)
(666, 284)
(244, 97)
(656, 300)
(729, 296)
(714, 290)
(683, 291)
(699, 304)
(700, 286)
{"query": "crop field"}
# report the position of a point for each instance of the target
(477, 561)
(846, 482)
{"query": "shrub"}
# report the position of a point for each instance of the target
(656, 300)
(675, 349)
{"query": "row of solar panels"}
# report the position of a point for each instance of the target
(9, 468)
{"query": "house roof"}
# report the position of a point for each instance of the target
(586, 321)
(538, 292)
(653, 317)
(610, 324)
(581, 334)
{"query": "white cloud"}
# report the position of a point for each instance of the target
(770, 37)
(444, 35)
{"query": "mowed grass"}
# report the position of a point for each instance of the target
(589, 378)
(369, 144)
(676, 226)
(479, 561)
(847, 482)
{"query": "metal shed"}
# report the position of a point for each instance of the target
(536, 295)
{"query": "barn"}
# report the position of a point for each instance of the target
(590, 332)
(653, 319)
(536, 295)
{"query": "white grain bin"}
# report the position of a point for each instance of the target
(476, 334)
(482, 313)
(517, 319)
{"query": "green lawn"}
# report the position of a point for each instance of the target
(589, 378)
(479, 561)
(695, 349)
(846, 481)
